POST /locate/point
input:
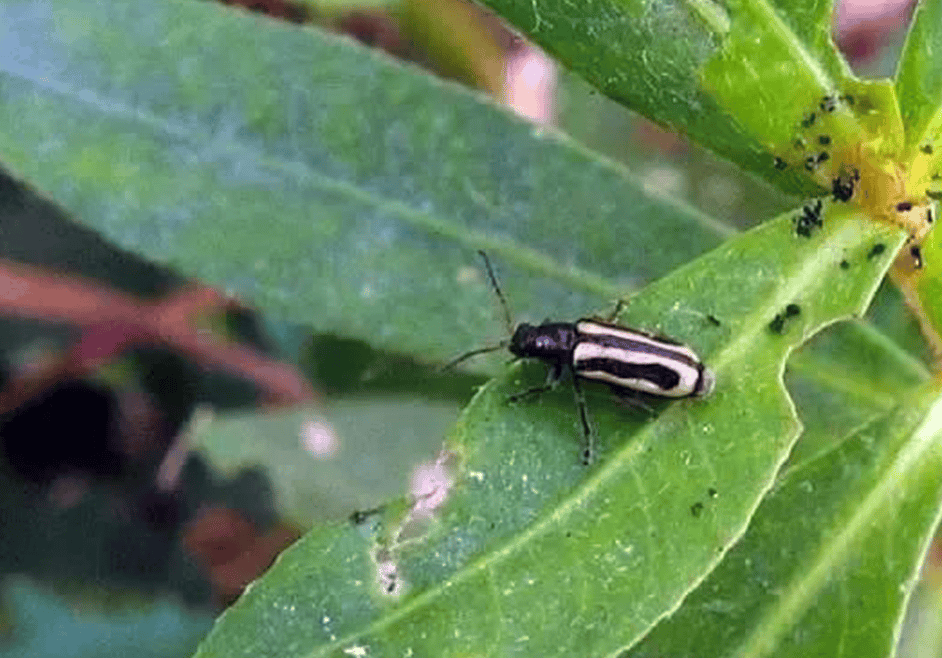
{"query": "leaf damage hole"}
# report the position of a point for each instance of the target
(387, 574)
(430, 486)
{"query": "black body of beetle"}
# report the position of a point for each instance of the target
(628, 360)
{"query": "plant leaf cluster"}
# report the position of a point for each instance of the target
(345, 192)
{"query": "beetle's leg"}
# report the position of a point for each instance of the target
(632, 399)
(619, 306)
(552, 379)
(588, 449)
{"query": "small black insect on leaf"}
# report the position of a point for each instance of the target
(844, 185)
(777, 325)
(814, 160)
(809, 220)
(828, 104)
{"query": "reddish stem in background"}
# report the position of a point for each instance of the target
(113, 321)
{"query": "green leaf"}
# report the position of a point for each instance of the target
(336, 233)
(325, 467)
(924, 289)
(919, 77)
(323, 181)
(337, 188)
(844, 378)
(833, 554)
(890, 315)
(921, 634)
(347, 238)
(519, 549)
(717, 72)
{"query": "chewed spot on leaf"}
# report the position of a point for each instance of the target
(387, 575)
(432, 483)
(430, 486)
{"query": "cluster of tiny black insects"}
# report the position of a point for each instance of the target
(827, 105)
(843, 186)
(809, 219)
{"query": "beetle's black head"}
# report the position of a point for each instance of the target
(551, 341)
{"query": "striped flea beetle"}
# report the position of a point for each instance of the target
(627, 360)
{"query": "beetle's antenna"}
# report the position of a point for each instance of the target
(500, 295)
(467, 355)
